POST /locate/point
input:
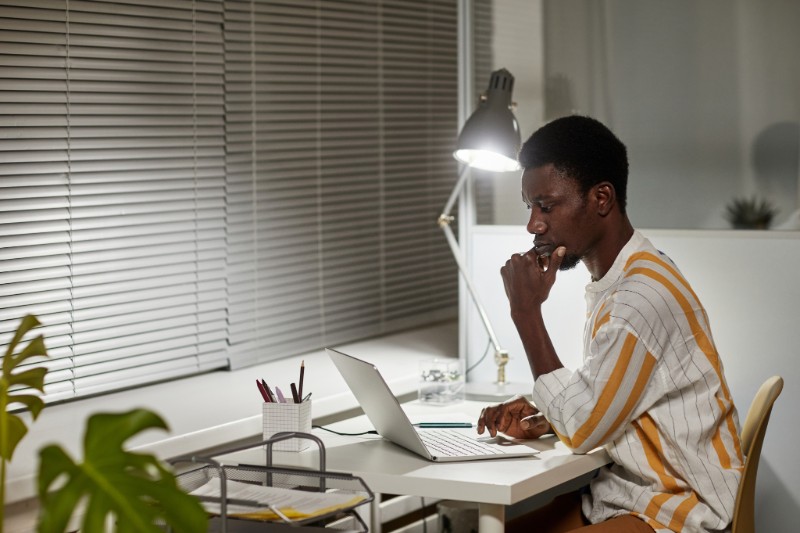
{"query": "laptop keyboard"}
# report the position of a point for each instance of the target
(452, 443)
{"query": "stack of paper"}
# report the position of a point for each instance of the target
(291, 504)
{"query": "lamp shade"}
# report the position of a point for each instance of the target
(490, 138)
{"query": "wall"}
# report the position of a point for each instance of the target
(747, 281)
(705, 94)
(518, 45)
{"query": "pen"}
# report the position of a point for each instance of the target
(281, 397)
(306, 397)
(294, 393)
(269, 392)
(262, 391)
(444, 425)
(300, 383)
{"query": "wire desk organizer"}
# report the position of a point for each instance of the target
(262, 515)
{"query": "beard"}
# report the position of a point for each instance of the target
(569, 262)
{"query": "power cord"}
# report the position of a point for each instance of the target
(371, 432)
(479, 361)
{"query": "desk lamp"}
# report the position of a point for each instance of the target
(489, 140)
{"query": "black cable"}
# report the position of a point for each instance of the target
(485, 353)
(372, 432)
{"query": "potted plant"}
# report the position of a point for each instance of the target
(135, 491)
(131, 491)
(12, 427)
(750, 213)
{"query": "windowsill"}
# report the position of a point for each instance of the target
(222, 407)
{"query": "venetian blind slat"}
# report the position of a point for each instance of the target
(124, 136)
(327, 104)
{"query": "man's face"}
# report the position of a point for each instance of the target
(559, 214)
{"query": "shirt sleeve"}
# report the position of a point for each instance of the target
(593, 405)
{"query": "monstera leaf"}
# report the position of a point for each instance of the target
(12, 428)
(133, 491)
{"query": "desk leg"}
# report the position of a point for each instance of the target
(375, 524)
(491, 518)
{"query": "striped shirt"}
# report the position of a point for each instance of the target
(652, 391)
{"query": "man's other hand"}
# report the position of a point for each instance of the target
(516, 417)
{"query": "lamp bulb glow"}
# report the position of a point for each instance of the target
(487, 160)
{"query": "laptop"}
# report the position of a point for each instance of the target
(392, 423)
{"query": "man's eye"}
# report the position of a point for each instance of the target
(542, 208)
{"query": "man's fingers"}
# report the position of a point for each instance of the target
(531, 422)
(556, 258)
(535, 426)
(504, 421)
(488, 421)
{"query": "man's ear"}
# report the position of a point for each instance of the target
(605, 196)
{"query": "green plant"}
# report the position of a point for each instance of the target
(134, 490)
(12, 428)
(750, 213)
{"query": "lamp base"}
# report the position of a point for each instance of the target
(482, 391)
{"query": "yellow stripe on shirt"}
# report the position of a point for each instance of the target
(633, 398)
(703, 342)
(653, 451)
(656, 503)
(600, 320)
(651, 444)
(607, 395)
(706, 346)
(682, 511)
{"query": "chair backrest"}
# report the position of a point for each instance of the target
(753, 430)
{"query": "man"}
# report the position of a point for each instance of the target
(651, 389)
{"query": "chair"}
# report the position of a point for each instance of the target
(753, 430)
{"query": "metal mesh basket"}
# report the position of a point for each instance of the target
(295, 479)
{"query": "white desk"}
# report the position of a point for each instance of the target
(389, 469)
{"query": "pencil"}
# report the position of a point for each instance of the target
(300, 385)
(262, 391)
(269, 392)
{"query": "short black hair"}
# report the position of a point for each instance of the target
(581, 148)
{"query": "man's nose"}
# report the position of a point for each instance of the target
(536, 226)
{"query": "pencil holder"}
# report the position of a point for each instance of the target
(280, 417)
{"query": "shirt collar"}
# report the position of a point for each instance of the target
(615, 272)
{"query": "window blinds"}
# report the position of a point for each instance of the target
(190, 185)
(341, 124)
(112, 188)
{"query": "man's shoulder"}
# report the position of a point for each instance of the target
(647, 260)
(650, 275)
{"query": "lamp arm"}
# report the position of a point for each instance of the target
(462, 179)
(500, 355)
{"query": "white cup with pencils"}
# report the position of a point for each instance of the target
(288, 411)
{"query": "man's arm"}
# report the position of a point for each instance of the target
(527, 279)
(597, 402)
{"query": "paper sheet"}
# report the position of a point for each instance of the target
(294, 504)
